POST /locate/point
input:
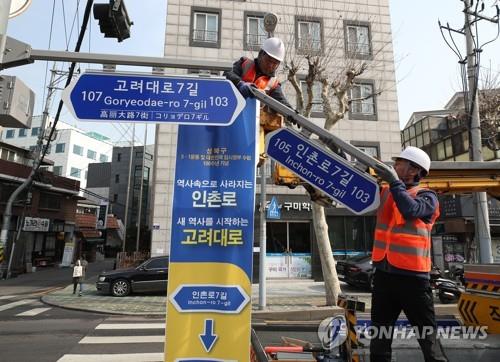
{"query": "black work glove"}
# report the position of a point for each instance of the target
(292, 120)
(386, 173)
(244, 88)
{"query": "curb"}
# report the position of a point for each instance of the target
(97, 311)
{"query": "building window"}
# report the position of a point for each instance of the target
(103, 158)
(317, 102)
(49, 201)
(60, 147)
(204, 72)
(57, 170)
(205, 27)
(370, 148)
(357, 40)
(10, 133)
(92, 154)
(118, 157)
(35, 131)
(22, 132)
(308, 35)
(8, 155)
(115, 197)
(255, 34)
(78, 150)
(362, 99)
(117, 179)
(75, 172)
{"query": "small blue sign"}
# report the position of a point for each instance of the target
(209, 298)
(116, 97)
(273, 211)
(324, 170)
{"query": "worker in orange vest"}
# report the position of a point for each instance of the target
(261, 71)
(402, 257)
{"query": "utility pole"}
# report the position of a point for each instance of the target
(141, 189)
(36, 161)
(128, 186)
(481, 216)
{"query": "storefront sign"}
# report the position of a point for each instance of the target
(69, 248)
(36, 224)
(102, 215)
(288, 265)
(210, 272)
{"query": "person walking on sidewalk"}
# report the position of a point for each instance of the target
(79, 274)
(401, 257)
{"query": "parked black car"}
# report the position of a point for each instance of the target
(150, 276)
(357, 271)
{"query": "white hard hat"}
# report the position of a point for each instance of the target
(275, 48)
(417, 156)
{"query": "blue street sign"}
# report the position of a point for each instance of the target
(209, 298)
(273, 211)
(116, 97)
(324, 170)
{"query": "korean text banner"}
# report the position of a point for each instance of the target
(210, 268)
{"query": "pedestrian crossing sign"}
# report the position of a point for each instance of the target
(273, 211)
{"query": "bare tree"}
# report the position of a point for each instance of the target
(319, 60)
(489, 108)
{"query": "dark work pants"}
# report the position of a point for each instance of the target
(394, 293)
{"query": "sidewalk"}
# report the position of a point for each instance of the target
(290, 300)
(49, 278)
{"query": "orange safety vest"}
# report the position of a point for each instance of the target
(263, 82)
(405, 243)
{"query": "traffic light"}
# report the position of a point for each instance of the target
(113, 19)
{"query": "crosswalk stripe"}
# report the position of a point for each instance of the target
(32, 312)
(131, 326)
(125, 357)
(6, 297)
(16, 304)
(123, 339)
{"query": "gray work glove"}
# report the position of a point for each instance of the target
(386, 173)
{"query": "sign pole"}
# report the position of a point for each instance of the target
(263, 238)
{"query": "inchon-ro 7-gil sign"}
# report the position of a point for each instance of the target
(116, 97)
(324, 170)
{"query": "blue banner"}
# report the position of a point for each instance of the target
(210, 271)
(214, 193)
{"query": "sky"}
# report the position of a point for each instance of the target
(426, 69)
